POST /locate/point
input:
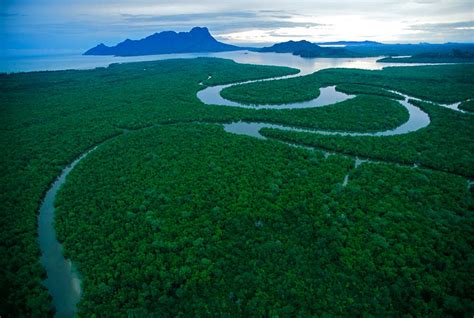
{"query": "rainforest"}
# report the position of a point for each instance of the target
(336, 192)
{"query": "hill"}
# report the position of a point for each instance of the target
(307, 49)
(167, 42)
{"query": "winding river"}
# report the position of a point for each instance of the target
(418, 119)
(63, 282)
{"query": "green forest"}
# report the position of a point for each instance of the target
(50, 118)
(177, 217)
(467, 105)
(439, 83)
(190, 221)
(445, 145)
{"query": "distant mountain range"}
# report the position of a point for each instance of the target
(194, 41)
(199, 40)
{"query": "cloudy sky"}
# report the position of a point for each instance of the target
(76, 25)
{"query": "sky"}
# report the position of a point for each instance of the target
(68, 25)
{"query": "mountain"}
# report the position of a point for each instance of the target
(200, 40)
(307, 49)
(196, 40)
(289, 47)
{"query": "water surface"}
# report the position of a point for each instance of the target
(20, 62)
(62, 282)
(328, 95)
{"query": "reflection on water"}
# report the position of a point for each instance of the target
(418, 119)
(27, 63)
(62, 281)
(328, 95)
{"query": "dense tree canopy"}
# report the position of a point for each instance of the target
(467, 105)
(49, 118)
(184, 219)
(189, 221)
(440, 83)
(446, 144)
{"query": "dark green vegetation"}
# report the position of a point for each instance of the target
(49, 118)
(360, 114)
(294, 90)
(467, 105)
(194, 221)
(440, 83)
(455, 56)
(191, 221)
(446, 144)
(187, 218)
(358, 89)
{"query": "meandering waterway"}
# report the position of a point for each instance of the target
(63, 282)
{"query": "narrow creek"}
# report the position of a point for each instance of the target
(62, 282)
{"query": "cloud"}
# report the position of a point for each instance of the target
(437, 27)
(462, 31)
(84, 23)
(218, 21)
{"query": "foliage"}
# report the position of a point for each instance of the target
(186, 220)
(281, 91)
(357, 89)
(189, 220)
(287, 256)
(446, 144)
(49, 118)
(440, 83)
(360, 114)
(467, 105)
(395, 262)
